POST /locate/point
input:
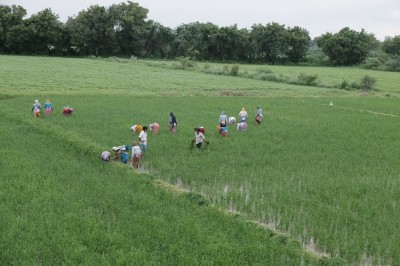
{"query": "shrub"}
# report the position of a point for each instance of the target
(393, 64)
(354, 85)
(373, 64)
(344, 85)
(307, 79)
(235, 70)
(264, 71)
(184, 62)
(367, 83)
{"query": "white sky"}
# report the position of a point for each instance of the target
(380, 17)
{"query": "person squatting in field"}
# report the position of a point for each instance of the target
(118, 151)
(154, 127)
(242, 126)
(232, 120)
(67, 111)
(259, 115)
(125, 155)
(48, 107)
(172, 122)
(136, 128)
(136, 155)
(143, 140)
(36, 108)
(223, 131)
(106, 156)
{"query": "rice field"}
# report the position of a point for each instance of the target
(325, 176)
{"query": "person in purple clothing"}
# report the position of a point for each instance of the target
(105, 156)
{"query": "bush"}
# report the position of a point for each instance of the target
(354, 85)
(184, 62)
(344, 85)
(373, 64)
(316, 57)
(264, 71)
(367, 83)
(235, 70)
(393, 64)
(307, 79)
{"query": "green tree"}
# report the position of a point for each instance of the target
(92, 32)
(44, 33)
(17, 39)
(232, 43)
(298, 41)
(10, 16)
(269, 42)
(158, 40)
(391, 45)
(129, 23)
(347, 47)
(186, 42)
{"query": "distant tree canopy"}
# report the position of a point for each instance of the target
(347, 47)
(124, 30)
(392, 45)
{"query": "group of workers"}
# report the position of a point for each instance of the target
(222, 126)
(223, 121)
(139, 147)
(48, 109)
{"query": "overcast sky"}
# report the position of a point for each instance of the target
(380, 17)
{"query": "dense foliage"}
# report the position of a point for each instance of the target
(347, 47)
(124, 30)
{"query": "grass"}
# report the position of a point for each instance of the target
(60, 205)
(325, 176)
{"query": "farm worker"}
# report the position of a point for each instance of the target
(198, 137)
(67, 111)
(223, 119)
(259, 115)
(118, 150)
(154, 127)
(136, 128)
(243, 115)
(125, 154)
(172, 122)
(36, 108)
(136, 155)
(241, 126)
(48, 107)
(143, 140)
(105, 156)
(223, 131)
(232, 120)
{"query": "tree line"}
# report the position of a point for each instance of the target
(124, 30)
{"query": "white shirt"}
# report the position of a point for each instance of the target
(199, 137)
(136, 151)
(243, 114)
(143, 137)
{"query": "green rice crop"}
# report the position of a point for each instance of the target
(324, 175)
(61, 205)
